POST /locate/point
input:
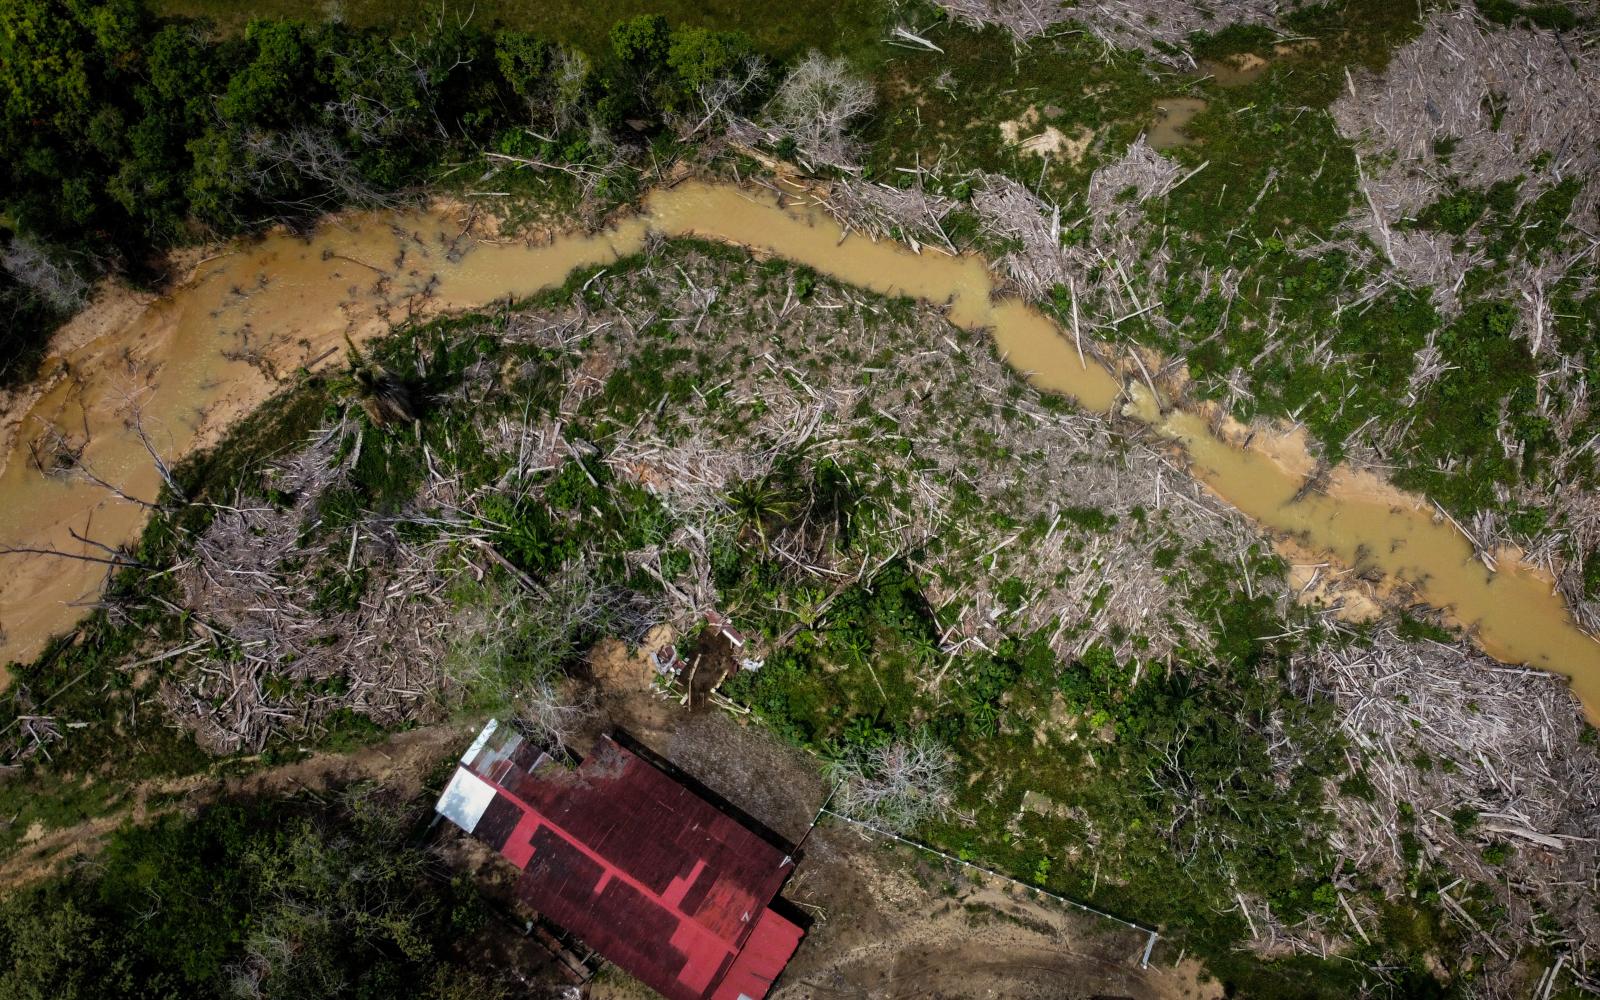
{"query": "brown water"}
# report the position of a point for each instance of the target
(303, 295)
(1235, 70)
(1172, 114)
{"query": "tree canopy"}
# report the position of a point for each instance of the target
(123, 135)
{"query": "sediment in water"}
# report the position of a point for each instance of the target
(201, 357)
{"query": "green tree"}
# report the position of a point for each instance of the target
(266, 899)
(698, 58)
(523, 60)
(65, 90)
(181, 72)
(217, 188)
(639, 48)
(552, 81)
(279, 75)
(763, 504)
(641, 44)
(50, 949)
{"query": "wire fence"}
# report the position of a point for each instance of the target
(1150, 941)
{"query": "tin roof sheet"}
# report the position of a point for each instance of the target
(643, 868)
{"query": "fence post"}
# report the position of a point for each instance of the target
(1149, 945)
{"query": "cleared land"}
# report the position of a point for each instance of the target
(1018, 631)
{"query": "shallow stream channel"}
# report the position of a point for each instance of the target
(166, 376)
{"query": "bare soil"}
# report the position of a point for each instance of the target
(897, 924)
(403, 762)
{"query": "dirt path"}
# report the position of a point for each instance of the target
(403, 762)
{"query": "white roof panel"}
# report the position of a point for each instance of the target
(465, 799)
(483, 738)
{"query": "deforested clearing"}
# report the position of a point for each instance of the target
(1083, 548)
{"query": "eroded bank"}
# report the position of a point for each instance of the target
(190, 363)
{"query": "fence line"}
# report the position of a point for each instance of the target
(1149, 945)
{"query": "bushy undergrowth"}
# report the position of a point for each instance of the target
(274, 898)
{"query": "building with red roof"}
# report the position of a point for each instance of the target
(627, 854)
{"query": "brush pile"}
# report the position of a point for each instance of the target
(1464, 107)
(1158, 28)
(1024, 19)
(912, 214)
(302, 621)
(1484, 766)
(1095, 253)
(1161, 28)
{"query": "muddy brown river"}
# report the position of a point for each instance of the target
(192, 362)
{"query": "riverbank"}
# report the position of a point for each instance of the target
(169, 381)
(917, 539)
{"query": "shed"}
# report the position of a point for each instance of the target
(635, 859)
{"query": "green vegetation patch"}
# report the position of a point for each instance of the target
(295, 897)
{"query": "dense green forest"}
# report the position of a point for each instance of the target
(125, 135)
(293, 898)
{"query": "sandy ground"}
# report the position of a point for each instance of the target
(1323, 583)
(1049, 141)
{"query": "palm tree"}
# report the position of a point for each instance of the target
(385, 397)
(762, 502)
(808, 605)
(925, 648)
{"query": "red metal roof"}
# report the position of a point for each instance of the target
(766, 951)
(641, 867)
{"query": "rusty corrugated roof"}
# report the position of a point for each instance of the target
(632, 860)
